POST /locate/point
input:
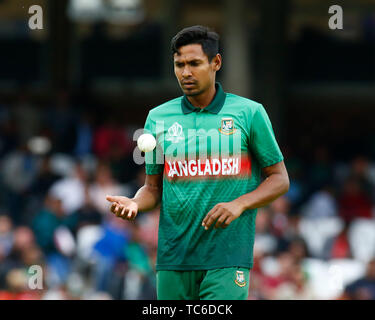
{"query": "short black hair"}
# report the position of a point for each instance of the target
(208, 39)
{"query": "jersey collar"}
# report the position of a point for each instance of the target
(214, 107)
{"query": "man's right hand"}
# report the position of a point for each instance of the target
(123, 207)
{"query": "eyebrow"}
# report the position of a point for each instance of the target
(190, 61)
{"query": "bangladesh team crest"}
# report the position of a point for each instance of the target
(227, 126)
(240, 279)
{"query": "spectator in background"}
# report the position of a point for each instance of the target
(148, 231)
(24, 253)
(269, 283)
(320, 172)
(295, 286)
(61, 121)
(280, 210)
(353, 201)
(284, 225)
(112, 143)
(103, 185)
(294, 166)
(298, 249)
(321, 204)
(71, 190)
(17, 278)
(265, 242)
(265, 245)
(17, 289)
(84, 135)
(6, 244)
(6, 236)
(19, 169)
(88, 214)
(109, 255)
(27, 116)
(23, 240)
(360, 170)
(46, 225)
(364, 288)
(43, 181)
(289, 283)
(338, 247)
(140, 281)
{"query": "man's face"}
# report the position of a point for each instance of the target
(195, 74)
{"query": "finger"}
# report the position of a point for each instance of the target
(225, 223)
(220, 221)
(123, 212)
(118, 209)
(212, 218)
(113, 206)
(112, 198)
(211, 212)
(134, 215)
(131, 215)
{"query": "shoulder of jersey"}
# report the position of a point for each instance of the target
(171, 105)
(234, 100)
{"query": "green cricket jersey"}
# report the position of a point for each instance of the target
(208, 156)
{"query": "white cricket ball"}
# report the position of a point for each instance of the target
(146, 142)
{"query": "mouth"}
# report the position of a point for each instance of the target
(188, 84)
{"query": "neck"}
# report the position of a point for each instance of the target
(204, 99)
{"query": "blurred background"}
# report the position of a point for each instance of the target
(73, 94)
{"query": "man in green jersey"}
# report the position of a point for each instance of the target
(205, 172)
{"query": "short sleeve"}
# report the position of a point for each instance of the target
(262, 139)
(154, 159)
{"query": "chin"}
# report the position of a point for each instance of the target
(192, 92)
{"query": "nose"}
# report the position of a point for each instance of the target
(186, 72)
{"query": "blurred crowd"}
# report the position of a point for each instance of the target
(318, 241)
(315, 242)
(57, 164)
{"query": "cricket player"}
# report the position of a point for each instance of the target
(212, 148)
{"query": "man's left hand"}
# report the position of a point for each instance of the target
(224, 213)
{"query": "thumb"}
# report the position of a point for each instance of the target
(112, 198)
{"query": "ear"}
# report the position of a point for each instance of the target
(216, 62)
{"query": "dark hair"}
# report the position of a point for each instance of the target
(209, 40)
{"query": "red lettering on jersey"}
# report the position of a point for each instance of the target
(214, 167)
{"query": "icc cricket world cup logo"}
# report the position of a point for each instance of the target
(175, 133)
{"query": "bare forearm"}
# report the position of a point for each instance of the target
(275, 185)
(147, 197)
(270, 189)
